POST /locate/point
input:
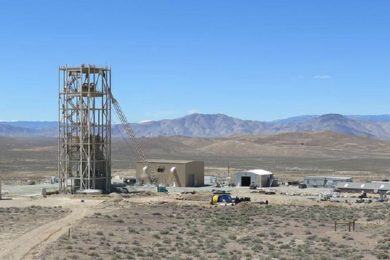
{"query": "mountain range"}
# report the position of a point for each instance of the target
(220, 125)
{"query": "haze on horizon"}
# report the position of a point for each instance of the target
(258, 60)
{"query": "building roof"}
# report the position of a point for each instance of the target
(169, 161)
(364, 185)
(257, 172)
(329, 177)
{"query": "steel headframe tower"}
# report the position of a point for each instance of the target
(84, 145)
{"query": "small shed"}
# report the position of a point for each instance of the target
(210, 180)
(258, 177)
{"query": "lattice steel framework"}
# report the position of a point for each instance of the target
(84, 144)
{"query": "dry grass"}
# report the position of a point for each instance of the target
(247, 231)
(15, 221)
(322, 153)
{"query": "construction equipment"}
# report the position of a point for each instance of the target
(363, 195)
(363, 200)
(132, 138)
(224, 198)
(324, 196)
(302, 186)
(382, 196)
(84, 128)
(148, 170)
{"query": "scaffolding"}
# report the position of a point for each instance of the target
(84, 144)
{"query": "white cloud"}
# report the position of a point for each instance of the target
(321, 77)
(193, 111)
(145, 121)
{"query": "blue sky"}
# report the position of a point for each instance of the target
(261, 60)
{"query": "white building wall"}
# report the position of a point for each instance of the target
(259, 180)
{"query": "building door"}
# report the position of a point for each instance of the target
(192, 180)
(245, 181)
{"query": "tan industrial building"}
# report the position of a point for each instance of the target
(174, 173)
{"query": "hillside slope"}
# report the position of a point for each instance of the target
(219, 125)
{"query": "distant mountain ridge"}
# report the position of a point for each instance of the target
(220, 125)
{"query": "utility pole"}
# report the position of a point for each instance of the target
(230, 178)
(228, 169)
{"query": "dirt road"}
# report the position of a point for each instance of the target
(30, 244)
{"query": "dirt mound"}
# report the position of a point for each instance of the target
(193, 197)
(245, 205)
(115, 197)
